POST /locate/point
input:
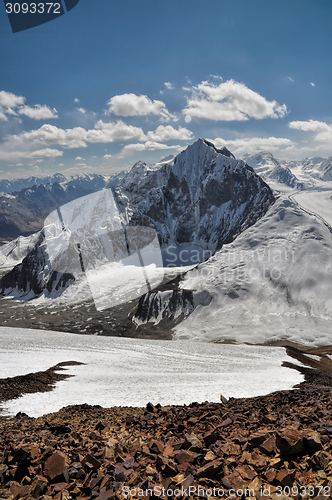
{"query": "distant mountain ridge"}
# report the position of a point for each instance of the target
(272, 170)
(24, 209)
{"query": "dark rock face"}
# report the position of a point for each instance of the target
(202, 197)
(155, 306)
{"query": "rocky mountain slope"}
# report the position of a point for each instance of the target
(262, 447)
(203, 197)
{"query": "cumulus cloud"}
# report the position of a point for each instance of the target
(148, 146)
(230, 101)
(169, 85)
(8, 102)
(11, 104)
(46, 153)
(77, 137)
(253, 144)
(138, 105)
(38, 112)
(107, 156)
(115, 131)
(322, 130)
(167, 133)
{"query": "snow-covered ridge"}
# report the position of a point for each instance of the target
(15, 251)
(298, 174)
(272, 170)
(273, 282)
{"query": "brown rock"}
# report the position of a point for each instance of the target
(210, 469)
(270, 475)
(56, 468)
(94, 463)
(185, 456)
(188, 481)
(285, 477)
(168, 450)
(226, 422)
(290, 442)
(38, 486)
(255, 484)
(210, 438)
(193, 442)
(313, 440)
(210, 456)
(258, 438)
(322, 459)
(151, 408)
(106, 495)
(246, 472)
(269, 445)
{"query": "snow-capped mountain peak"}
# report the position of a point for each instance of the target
(202, 198)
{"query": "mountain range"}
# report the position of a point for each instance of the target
(264, 269)
(203, 197)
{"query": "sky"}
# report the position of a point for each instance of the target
(112, 82)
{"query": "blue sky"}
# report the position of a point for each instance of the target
(112, 82)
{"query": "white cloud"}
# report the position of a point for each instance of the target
(138, 105)
(76, 100)
(23, 145)
(77, 137)
(148, 146)
(312, 84)
(82, 110)
(115, 131)
(253, 144)
(13, 105)
(166, 133)
(322, 130)
(46, 153)
(230, 101)
(107, 156)
(38, 112)
(169, 85)
(8, 102)
(79, 158)
(290, 79)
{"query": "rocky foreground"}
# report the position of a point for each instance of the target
(273, 446)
